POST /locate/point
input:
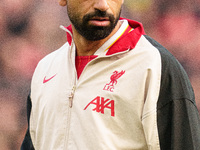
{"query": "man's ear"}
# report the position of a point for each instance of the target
(63, 2)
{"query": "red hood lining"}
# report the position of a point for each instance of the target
(127, 40)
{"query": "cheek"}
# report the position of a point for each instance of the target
(72, 9)
(115, 7)
(81, 7)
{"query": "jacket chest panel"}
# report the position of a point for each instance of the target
(108, 102)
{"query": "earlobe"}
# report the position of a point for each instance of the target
(62, 2)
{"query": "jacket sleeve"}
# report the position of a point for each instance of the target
(177, 114)
(27, 143)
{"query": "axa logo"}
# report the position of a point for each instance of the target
(113, 80)
(99, 104)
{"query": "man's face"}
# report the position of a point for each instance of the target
(94, 19)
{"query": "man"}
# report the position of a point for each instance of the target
(110, 87)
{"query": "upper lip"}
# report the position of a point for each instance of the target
(100, 18)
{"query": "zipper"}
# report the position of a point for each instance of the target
(71, 96)
(74, 80)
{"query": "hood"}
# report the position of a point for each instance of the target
(127, 40)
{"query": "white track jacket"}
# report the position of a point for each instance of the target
(133, 96)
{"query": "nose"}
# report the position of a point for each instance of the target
(101, 5)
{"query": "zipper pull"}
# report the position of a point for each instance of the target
(71, 96)
(71, 100)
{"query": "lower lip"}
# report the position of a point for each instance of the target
(99, 22)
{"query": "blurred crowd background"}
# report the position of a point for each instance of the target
(29, 30)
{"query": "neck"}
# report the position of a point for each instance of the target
(85, 47)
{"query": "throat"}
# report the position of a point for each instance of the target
(89, 48)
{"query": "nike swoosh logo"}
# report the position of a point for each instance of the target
(46, 80)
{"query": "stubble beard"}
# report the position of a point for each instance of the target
(91, 32)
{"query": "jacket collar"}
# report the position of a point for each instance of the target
(127, 40)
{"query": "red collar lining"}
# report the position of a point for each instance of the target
(128, 40)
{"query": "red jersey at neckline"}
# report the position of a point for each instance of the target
(81, 62)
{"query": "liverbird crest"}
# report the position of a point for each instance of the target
(113, 80)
